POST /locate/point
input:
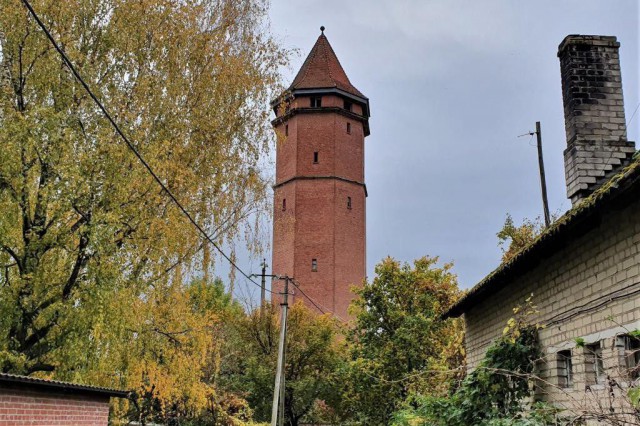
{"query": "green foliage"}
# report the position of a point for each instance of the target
(91, 251)
(634, 397)
(493, 393)
(314, 356)
(515, 238)
(579, 342)
(398, 337)
(81, 221)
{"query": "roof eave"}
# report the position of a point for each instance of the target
(323, 91)
(62, 387)
(584, 215)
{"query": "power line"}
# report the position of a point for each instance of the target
(130, 145)
(313, 302)
(297, 285)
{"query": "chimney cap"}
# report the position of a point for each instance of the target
(587, 40)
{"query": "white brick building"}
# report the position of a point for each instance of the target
(583, 270)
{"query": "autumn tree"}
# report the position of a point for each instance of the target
(92, 252)
(512, 238)
(399, 342)
(314, 358)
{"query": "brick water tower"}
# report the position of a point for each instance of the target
(320, 194)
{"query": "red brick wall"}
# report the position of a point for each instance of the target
(317, 224)
(27, 407)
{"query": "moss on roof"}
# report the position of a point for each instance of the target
(597, 199)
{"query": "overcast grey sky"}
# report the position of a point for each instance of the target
(452, 83)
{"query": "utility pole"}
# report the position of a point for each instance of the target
(543, 182)
(263, 285)
(278, 391)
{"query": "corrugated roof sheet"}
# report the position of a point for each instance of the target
(56, 385)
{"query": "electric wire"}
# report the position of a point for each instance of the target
(78, 77)
(297, 285)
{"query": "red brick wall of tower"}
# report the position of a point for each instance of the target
(317, 221)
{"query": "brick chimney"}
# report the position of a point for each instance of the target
(597, 145)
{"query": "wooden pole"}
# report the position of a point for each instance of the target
(263, 285)
(543, 182)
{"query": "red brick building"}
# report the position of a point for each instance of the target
(320, 194)
(38, 402)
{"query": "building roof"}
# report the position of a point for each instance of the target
(322, 70)
(58, 387)
(584, 216)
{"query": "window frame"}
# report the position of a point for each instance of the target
(565, 365)
(314, 265)
(593, 356)
(316, 102)
(629, 354)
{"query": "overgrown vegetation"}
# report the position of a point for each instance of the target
(494, 393)
(398, 337)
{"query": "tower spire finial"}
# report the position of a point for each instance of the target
(322, 29)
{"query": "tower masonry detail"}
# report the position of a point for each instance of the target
(319, 193)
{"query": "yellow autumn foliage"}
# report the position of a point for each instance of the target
(93, 253)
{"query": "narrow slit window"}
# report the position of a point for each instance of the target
(316, 102)
(284, 204)
(594, 365)
(349, 128)
(349, 203)
(286, 130)
(314, 265)
(565, 369)
(315, 157)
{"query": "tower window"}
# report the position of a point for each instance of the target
(348, 105)
(284, 204)
(286, 130)
(316, 101)
(349, 203)
(314, 265)
(349, 128)
(315, 157)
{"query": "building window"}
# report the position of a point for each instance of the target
(314, 265)
(284, 204)
(316, 101)
(286, 130)
(349, 203)
(565, 369)
(315, 157)
(629, 350)
(349, 128)
(348, 105)
(594, 366)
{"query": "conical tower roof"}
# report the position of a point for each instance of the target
(322, 70)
